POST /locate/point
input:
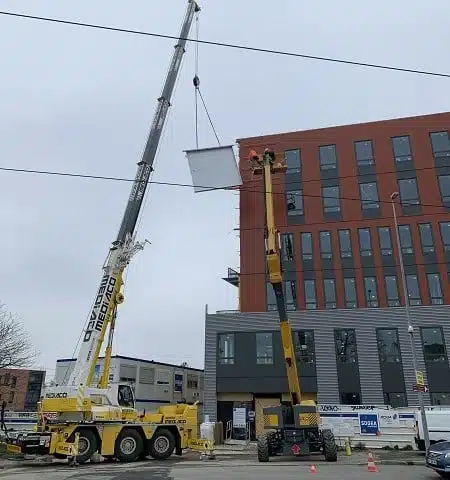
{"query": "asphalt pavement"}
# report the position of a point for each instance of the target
(230, 469)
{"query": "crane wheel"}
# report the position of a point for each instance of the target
(87, 445)
(329, 446)
(263, 448)
(129, 445)
(162, 444)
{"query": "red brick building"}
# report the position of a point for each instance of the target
(334, 211)
(21, 388)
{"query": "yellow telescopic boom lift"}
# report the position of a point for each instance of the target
(294, 428)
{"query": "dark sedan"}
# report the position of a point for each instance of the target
(438, 458)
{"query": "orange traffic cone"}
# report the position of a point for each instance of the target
(371, 467)
(313, 469)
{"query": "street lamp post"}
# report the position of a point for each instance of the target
(426, 436)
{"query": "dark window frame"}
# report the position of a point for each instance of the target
(340, 358)
(413, 300)
(345, 253)
(350, 303)
(444, 198)
(370, 249)
(440, 153)
(383, 249)
(307, 256)
(389, 357)
(296, 169)
(408, 203)
(426, 248)
(309, 303)
(226, 359)
(433, 299)
(270, 307)
(310, 357)
(328, 166)
(326, 254)
(287, 251)
(392, 302)
(329, 303)
(290, 285)
(291, 197)
(428, 358)
(399, 159)
(406, 249)
(367, 161)
(260, 358)
(369, 302)
(335, 200)
(370, 204)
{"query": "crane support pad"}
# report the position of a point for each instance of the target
(273, 417)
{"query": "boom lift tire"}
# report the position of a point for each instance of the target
(329, 446)
(162, 444)
(263, 448)
(87, 445)
(129, 445)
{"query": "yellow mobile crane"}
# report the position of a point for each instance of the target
(77, 419)
(294, 428)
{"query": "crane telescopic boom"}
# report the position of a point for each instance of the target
(266, 167)
(124, 247)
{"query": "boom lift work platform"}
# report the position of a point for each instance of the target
(294, 428)
(76, 420)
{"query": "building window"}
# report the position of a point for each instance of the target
(11, 397)
(226, 348)
(329, 287)
(445, 234)
(351, 300)
(433, 345)
(290, 294)
(310, 294)
(294, 202)
(440, 143)
(192, 382)
(331, 199)
(426, 237)
(271, 299)
(292, 161)
(371, 291)
(304, 346)
(328, 157)
(440, 399)
(388, 345)
(287, 247)
(409, 195)
(307, 246)
(264, 348)
(13, 382)
(406, 242)
(444, 187)
(384, 235)
(395, 399)
(402, 149)
(345, 341)
(345, 243)
(392, 295)
(435, 289)
(365, 242)
(369, 195)
(364, 153)
(325, 245)
(412, 284)
(352, 398)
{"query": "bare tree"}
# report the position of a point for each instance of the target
(16, 349)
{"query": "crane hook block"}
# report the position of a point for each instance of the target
(196, 81)
(120, 298)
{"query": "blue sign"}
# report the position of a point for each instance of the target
(368, 423)
(178, 384)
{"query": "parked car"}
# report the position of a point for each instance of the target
(438, 458)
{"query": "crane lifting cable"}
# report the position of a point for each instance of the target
(213, 168)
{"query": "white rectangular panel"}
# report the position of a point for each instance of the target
(213, 168)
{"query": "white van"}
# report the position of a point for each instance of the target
(438, 426)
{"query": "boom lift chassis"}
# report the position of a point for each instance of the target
(293, 428)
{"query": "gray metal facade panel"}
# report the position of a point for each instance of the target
(323, 322)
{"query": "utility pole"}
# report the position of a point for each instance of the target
(426, 436)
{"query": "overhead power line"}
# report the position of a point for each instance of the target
(188, 185)
(228, 45)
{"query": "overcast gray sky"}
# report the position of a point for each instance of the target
(81, 100)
